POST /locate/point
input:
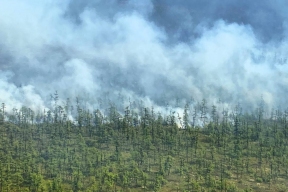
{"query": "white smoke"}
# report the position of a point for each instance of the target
(99, 51)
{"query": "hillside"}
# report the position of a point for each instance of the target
(143, 152)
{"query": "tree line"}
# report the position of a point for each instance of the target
(139, 149)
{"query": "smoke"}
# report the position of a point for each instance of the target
(180, 18)
(157, 52)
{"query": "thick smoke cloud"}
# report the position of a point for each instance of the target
(180, 18)
(160, 52)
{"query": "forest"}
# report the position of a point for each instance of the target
(143, 96)
(205, 149)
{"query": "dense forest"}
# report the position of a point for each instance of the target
(139, 149)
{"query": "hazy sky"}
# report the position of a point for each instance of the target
(156, 51)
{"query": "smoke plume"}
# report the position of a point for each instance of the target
(158, 52)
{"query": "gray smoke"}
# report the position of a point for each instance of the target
(158, 52)
(180, 18)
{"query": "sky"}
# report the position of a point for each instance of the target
(157, 52)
